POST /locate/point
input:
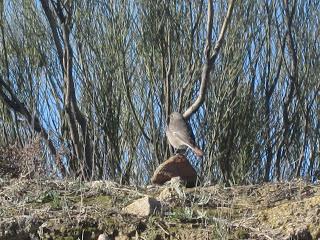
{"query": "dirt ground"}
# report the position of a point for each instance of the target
(46, 209)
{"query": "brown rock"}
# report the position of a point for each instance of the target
(176, 166)
(143, 207)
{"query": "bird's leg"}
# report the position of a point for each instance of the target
(175, 151)
(179, 151)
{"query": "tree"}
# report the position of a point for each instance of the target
(98, 79)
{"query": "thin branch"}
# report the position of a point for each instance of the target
(129, 98)
(53, 25)
(209, 60)
(17, 106)
(168, 75)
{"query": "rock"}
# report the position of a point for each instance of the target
(176, 181)
(143, 207)
(103, 237)
(301, 233)
(167, 195)
(174, 190)
(176, 166)
(122, 237)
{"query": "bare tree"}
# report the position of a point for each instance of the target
(98, 79)
(80, 140)
(210, 57)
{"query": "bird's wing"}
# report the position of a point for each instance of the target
(184, 137)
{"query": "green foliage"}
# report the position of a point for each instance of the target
(52, 197)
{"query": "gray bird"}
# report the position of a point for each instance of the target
(180, 135)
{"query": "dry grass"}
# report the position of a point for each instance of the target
(37, 208)
(22, 162)
(85, 209)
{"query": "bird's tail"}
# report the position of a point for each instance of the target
(197, 151)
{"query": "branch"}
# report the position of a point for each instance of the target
(53, 25)
(209, 60)
(191, 68)
(168, 77)
(291, 46)
(128, 96)
(81, 143)
(17, 106)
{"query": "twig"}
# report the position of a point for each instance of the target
(162, 228)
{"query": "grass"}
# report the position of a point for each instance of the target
(71, 210)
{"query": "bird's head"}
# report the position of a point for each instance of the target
(176, 116)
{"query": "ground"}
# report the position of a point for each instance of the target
(46, 209)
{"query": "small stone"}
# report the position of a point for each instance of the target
(103, 237)
(166, 195)
(302, 233)
(176, 166)
(122, 237)
(143, 207)
(176, 181)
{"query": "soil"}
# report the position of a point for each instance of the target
(47, 209)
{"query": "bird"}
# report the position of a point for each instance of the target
(180, 134)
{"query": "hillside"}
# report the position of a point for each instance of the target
(43, 209)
